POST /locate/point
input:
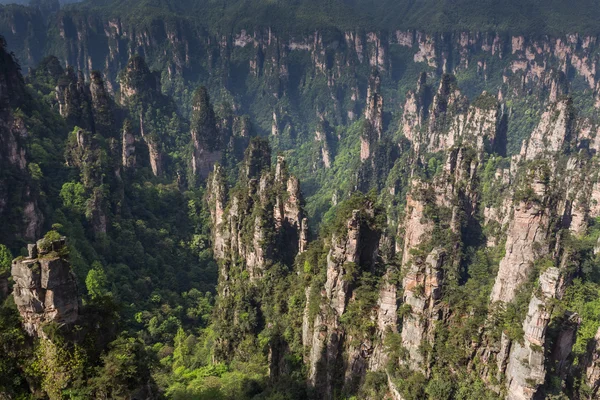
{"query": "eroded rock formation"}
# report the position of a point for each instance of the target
(257, 225)
(23, 218)
(205, 139)
(45, 288)
(337, 354)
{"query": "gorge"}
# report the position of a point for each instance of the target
(198, 201)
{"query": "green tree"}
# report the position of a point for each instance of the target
(73, 196)
(5, 258)
(96, 282)
(35, 171)
(440, 388)
(125, 369)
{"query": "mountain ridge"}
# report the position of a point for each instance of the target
(531, 17)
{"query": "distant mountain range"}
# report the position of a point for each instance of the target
(515, 16)
(27, 2)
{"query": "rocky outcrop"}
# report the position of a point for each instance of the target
(551, 177)
(525, 241)
(257, 225)
(45, 289)
(87, 105)
(482, 123)
(288, 212)
(374, 107)
(446, 116)
(155, 151)
(206, 142)
(137, 80)
(85, 153)
(528, 230)
(13, 157)
(267, 53)
(128, 156)
(592, 371)
(373, 127)
(387, 322)
(448, 120)
(332, 344)
(216, 199)
(417, 230)
(442, 205)
(12, 88)
(26, 30)
(552, 133)
(98, 211)
(416, 111)
(102, 106)
(528, 365)
(254, 222)
(277, 64)
(452, 197)
(422, 291)
(323, 138)
(278, 215)
(526, 368)
(141, 93)
(74, 100)
(19, 207)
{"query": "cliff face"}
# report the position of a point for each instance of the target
(128, 141)
(323, 139)
(338, 349)
(441, 206)
(164, 132)
(592, 371)
(523, 377)
(528, 226)
(45, 289)
(103, 106)
(205, 140)
(282, 68)
(328, 337)
(549, 204)
(446, 52)
(74, 99)
(18, 193)
(373, 128)
(438, 217)
(137, 80)
(570, 194)
(552, 192)
(528, 240)
(464, 198)
(140, 89)
(89, 158)
(450, 119)
(279, 217)
(25, 29)
(258, 227)
(416, 110)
